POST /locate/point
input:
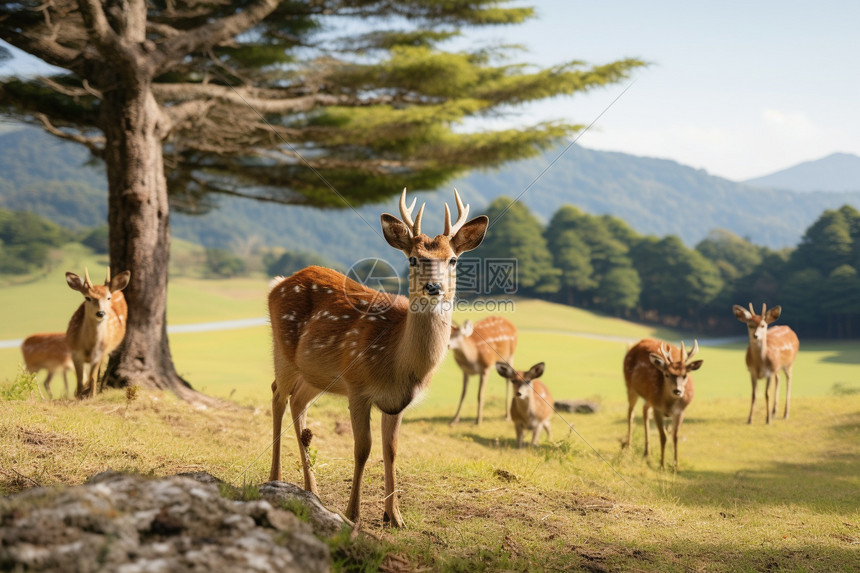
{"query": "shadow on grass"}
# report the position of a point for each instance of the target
(828, 483)
(684, 556)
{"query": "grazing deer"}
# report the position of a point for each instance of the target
(48, 351)
(531, 406)
(477, 347)
(97, 327)
(659, 373)
(770, 350)
(333, 334)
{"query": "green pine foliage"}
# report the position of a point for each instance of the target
(320, 101)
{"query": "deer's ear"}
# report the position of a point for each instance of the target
(470, 235)
(75, 282)
(120, 281)
(742, 313)
(535, 371)
(505, 371)
(396, 233)
(657, 361)
(773, 314)
(695, 365)
(468, 328)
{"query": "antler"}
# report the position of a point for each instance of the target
(667, 355)
(107, 277)
(462, 214)
(87, 282)
(686, 357)
(406, 214)
(752, 310)
(763, 309)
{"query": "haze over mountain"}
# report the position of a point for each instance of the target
(836, 172)
(56, 179)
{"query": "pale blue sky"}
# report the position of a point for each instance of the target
(740, 89)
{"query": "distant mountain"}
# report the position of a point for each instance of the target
(38, 173)
(836, 172)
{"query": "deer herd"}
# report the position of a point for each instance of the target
(333, 334)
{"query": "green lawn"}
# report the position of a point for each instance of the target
(747, 497)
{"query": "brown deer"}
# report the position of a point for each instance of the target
(770, 350)
(477, 348)
(659, 373)
(333, 334)
(97, 327)
(531, 406)
(48, 351)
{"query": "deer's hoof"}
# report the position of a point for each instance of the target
(397, 521)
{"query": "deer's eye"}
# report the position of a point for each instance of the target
(88, 299)
(453, 261)
(413, 262)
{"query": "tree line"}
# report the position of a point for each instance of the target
(599, 262)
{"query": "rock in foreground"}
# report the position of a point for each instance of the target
(129, 524)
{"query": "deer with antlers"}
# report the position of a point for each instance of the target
(97, 327)
(50, 352)
(770, 350)
(477, 348)
(660, 374)
(333, 334)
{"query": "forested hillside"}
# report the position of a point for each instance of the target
(654, 196)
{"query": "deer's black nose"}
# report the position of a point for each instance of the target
(676, 392)
(100, 314)
(433, 289)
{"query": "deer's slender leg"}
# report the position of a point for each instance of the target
(390, 434)
(359, 413)
(481, 387)
(301, 396)
(462, 397)
(754, 383)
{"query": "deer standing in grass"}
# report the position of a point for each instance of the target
(333, 334)
(477, 348)
(48, 351)
(770, 350)
(660, 374)
(97, 327)
(531, 406)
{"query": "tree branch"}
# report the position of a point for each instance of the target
(177, 114)
(258, 100)
(70, 91)
(46, 50)
(208, 35)
(94, 144)
(98, 29)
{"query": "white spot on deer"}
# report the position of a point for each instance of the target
(297, 288)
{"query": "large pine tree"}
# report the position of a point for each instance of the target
(327, 103)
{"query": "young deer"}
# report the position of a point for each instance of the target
(770, 350)
(333, 334)
(97, 327)
(659, 373)
(48, 351)
(477, 347)
(531, 406)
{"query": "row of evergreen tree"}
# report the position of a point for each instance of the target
(599, 262)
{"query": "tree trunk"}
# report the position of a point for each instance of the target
(139, 222)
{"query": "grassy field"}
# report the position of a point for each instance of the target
(747, 497)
